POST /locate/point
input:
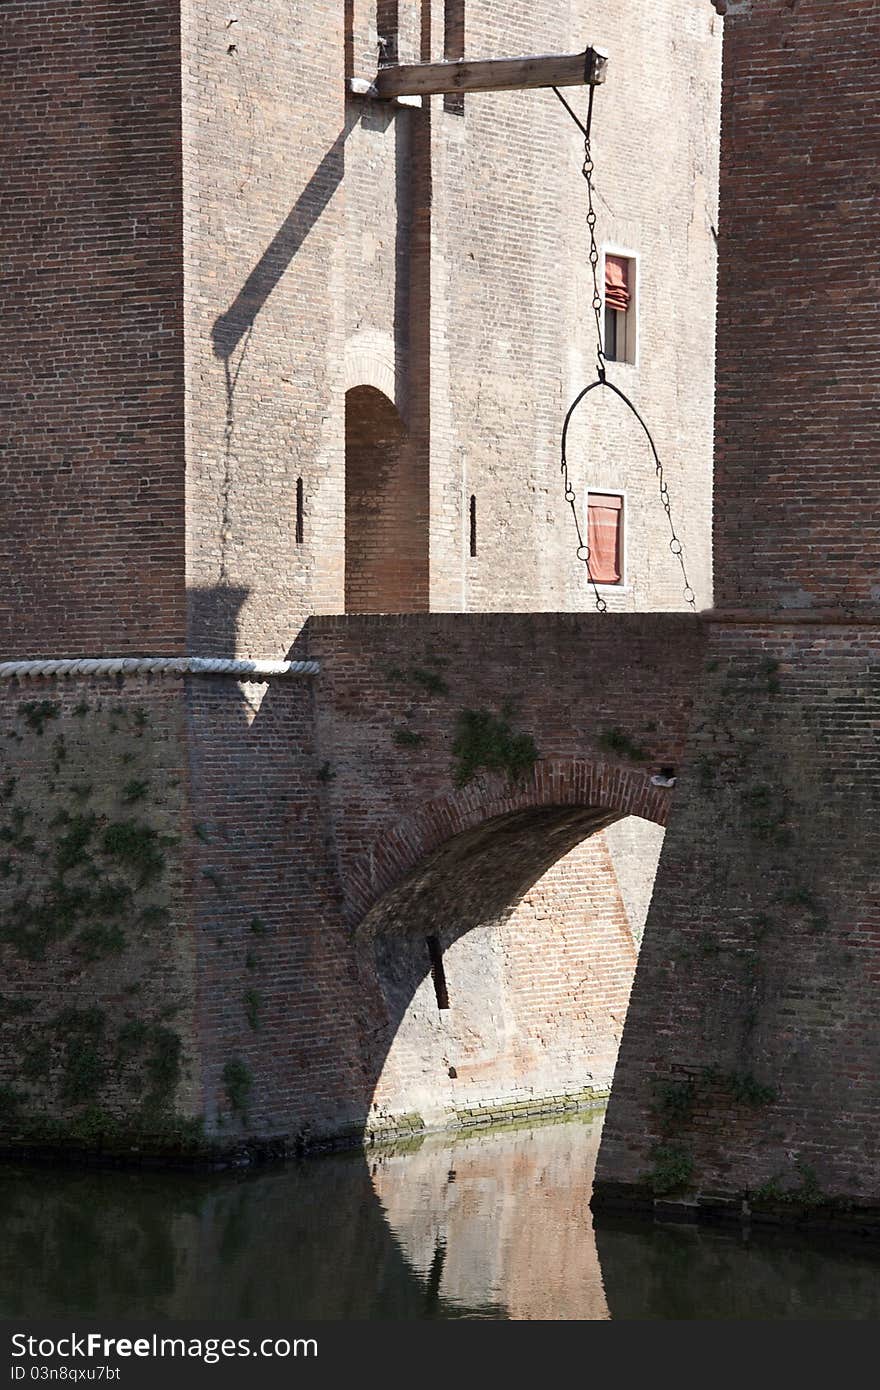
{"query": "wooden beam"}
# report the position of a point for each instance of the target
(492, 74)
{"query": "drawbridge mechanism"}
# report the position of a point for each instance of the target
(396, 81)
(408, 83)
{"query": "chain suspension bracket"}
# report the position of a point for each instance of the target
(583, 549)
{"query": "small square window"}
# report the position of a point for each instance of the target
(620, 308)
(605, 520)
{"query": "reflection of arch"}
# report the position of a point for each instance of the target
(598, 793)
(386, 513)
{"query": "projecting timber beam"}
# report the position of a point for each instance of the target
(491, 74)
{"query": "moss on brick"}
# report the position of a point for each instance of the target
(487, 742)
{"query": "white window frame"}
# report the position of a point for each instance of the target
(631, 317)
(622, 586)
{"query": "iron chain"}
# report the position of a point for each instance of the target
(583, 550)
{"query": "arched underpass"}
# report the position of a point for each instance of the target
(499, 969)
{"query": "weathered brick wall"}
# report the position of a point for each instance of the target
(264, 128)
(335, 243)
(482, 336)
(98, 1023)
(747, 1065)
(635, 846)
(202, 221)
(501, 872)
(278, 1020)
(245, 247)
(799, 316)
(386, 550)
(537, 989)
(747, 1075)
(611, 696)
(91, 477)
(514, 336)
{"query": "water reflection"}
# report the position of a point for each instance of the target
(491, 1225)
(508, 1213)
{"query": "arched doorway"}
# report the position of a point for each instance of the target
(386, 510)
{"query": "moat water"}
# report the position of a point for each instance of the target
(492, 1225)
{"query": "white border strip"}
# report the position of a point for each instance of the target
(156, 666)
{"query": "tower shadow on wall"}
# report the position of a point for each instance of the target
(233, 330)
(212, 616)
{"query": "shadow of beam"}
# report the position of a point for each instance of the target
(231, 327)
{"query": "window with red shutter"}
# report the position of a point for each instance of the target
(620, 308)
(605, 537)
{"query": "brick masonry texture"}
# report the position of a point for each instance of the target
(527, 914)
(746, 1051)
(748, 1072)
(208, 244)
(337, 244)
(537, 996)
(229, 278)
(292, 967)
(796, 426)
(98, 1014)
(92, 460)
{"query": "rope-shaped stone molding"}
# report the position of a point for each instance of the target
(155, 666)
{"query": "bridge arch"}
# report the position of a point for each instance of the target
(493, 949)
(602, 792)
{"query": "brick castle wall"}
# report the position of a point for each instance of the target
(795, 427)
(747, 1077)
(746, 1065)
(537, 996)
(99, 1012)
(170, 880)
(227, 254)
(337, 243)
(92, 470)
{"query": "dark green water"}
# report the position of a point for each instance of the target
(492, 1226)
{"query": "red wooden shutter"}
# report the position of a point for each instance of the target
(617, 291)
(605, 537)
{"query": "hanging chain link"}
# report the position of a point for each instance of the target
(587, 172)
(583, 550)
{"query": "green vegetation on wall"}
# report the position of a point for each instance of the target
(87, 830)
(487, 742)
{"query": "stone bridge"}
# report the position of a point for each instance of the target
(606, 704)
(367, 817)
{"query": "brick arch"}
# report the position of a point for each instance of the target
(607, 790)
(369, 361)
